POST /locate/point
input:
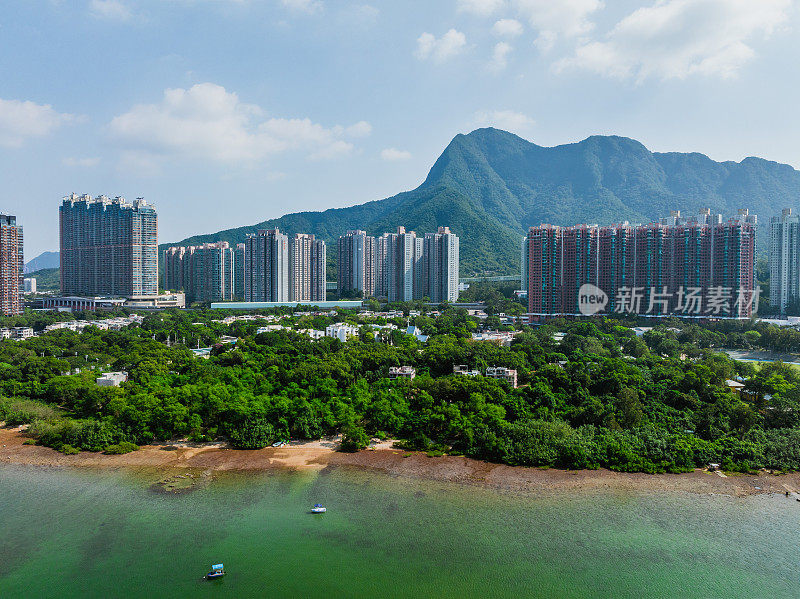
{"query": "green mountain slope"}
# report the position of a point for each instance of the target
(489, 186)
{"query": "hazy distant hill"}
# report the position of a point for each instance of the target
(489, 186)
(43, 260)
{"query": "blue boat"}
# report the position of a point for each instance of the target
(318, 509)
(217, 571)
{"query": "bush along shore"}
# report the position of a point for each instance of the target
(591, 394)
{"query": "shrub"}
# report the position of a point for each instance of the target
(254, 433)
(355, 438)
(121, 448)
(69, 450)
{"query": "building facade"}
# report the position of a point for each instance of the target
(356, 261)
(697, 267)
(238, 270)
(440, 266)
(108, 247)
(12, 263)
(173, 268)
(307, 268)
(266, 273)
(205, 272)
(784, 261)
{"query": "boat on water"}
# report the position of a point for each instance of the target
(318, 509)
(217, 571)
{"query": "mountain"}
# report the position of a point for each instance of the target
(43, 260)
(489, 186)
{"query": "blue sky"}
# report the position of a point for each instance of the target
(228, 112)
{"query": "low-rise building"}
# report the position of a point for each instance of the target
(313, 333)
(463, 370)
(112, 379)
(75, 304)
(501, 372)
(341, 331)
(417, 334)
(501, 338)
(157, 302)
(402, 372)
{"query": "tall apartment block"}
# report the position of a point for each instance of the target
(108, 247)
(440, 266)
(205, 272)
(266, 273)
(12, 263)
(212, 272)
(307, 257)
(650, 268)
(400, 266)
(238, 270)
(784, 260)
(356, 264)
(173, 269)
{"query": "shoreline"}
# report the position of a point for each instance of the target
(176, 457)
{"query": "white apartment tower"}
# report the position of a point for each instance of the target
(266, 273)
(356, 264)
(440, 266)
(784, 260)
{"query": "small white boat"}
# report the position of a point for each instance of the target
(318, 509)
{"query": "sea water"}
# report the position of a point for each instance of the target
(82, 533)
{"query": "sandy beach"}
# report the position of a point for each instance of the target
(318, 455)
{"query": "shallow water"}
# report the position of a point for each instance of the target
(74, 533)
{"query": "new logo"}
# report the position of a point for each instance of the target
(591, 299)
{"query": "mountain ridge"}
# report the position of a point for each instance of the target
(490, 185)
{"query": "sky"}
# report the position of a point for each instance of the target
(225, 113)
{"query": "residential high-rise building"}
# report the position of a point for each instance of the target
(784, 261)
(382, 252)
(307, 257)
(238, 269)
(204, 272)
(700, 267)
(402, 265)
(440, 266)
(173, 268)
(356, 264)
(108, 247)
(266, 274)
(212, 273)
(12, 264)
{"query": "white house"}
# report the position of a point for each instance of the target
(341, 331)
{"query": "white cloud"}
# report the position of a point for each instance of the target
(442, 49)
(395, 155)
(82, 162)
(508, 120)
(206, 122)
(552, 18)
(22, 120)
(482, 8)
(673, 39)
(500, 56)
(305, 6)
(113, 10)
(507, 28)
(360, 129)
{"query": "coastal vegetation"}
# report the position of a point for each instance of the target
(591, 393)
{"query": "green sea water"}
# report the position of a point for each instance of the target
(76, 533)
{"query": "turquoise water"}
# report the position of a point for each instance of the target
(67, 533)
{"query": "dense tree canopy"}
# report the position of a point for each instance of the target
(602, 396)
